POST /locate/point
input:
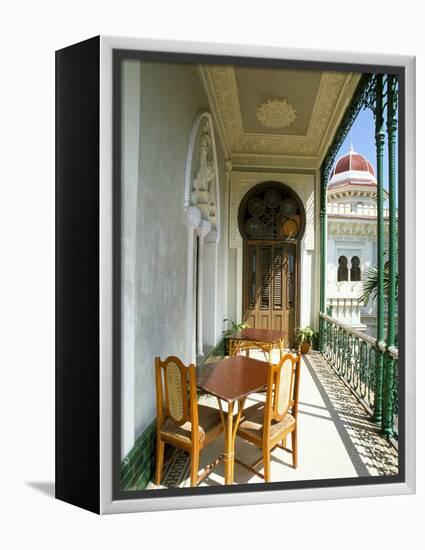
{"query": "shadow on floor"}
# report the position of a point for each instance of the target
(46, 487)
(360, 436)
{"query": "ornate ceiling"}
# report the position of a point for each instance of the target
(277, 118)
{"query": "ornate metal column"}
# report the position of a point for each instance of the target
(388, 398)
(323, 254)
(380, 141)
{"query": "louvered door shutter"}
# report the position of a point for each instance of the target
(265, 287)
(265, 284)
(277, 274)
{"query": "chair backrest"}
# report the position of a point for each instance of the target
(282, 387)
(175, 391)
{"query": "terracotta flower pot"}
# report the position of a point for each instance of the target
(305, 347)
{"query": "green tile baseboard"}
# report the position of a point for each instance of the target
(137, 467)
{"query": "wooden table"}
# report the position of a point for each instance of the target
(255, 337)
(232, 380)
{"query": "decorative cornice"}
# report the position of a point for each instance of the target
(353, 229)
(253, 160)
(262, 150)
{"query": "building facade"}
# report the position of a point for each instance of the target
(352, 239)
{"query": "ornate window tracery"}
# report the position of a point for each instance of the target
(272, 213)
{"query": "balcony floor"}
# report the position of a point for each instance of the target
(336, 438)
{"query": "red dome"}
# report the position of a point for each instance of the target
(352, 161)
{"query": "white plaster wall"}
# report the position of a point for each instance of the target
(231, 285)
(210, 290)
(164, 99)
(130, 176)
(306, 289)
(171, 96)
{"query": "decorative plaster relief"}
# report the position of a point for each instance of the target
(242, 182)
(201, 195)
(357, 229)
(276, 113)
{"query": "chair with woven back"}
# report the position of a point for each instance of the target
(181, 421)
(267, 424)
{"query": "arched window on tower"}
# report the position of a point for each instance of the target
(342, 269)
(355, 273)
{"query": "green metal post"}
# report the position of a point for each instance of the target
(323, 258)
(380, 141)
(388, 397)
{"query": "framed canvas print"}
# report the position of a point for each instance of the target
(235, 274)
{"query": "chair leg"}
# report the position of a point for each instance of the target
(283, 442)
(294, 448)
(266, 462)
(194, 466)
(160, 448)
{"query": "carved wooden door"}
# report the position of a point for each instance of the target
(269, 287)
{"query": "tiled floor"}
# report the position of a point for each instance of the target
(336, 438)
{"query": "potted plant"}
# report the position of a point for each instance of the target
(234, 328)
(304, 337)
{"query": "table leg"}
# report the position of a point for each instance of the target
(281, 347)
(228, 448)
(230, 437)
(234, 348)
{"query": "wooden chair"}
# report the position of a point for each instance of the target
(181, 421)
(268, 423)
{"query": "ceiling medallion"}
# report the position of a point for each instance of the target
(276, 113)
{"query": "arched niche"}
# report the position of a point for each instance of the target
(202, 215)
(271, 220)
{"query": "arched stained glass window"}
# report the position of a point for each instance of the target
(271, 212)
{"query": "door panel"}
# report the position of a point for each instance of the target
(269, 286)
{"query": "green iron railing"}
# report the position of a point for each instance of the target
(354, 356)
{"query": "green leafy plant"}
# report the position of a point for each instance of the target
(234, 326)
(370, 285)
(304, 334)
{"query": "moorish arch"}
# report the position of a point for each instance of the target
(202, 215)
(271, 220)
